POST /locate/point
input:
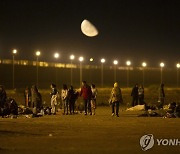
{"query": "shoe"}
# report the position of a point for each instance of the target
(117, 115)
(85, 113)
(112, 114)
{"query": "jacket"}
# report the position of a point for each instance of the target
(86, 92)
(116, 95)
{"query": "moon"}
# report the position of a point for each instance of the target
(88, 28)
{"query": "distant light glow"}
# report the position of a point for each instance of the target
(81, 59)
(72, 57)
(103, 60)
(14, 51)
(91, 59)
(178, 65)
(38, 53)
(128, 63)
(144, 64)
(56, 55)
(115, 62)
(162, 64)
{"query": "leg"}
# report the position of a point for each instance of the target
(133, 101)
(85, 106)
(89, 107)
(113, 104)
(117, 108)
(70, 106)
(67, 107)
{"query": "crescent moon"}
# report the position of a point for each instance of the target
(88, 28)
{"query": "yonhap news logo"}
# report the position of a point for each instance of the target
(148, 141)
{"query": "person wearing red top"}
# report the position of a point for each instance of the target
(86, 93)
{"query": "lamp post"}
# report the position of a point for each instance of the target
(115, 62)
(80, 60)
(14, 52)
(178, 66)
(102, 75)
(161, 70)
(90, 71)
(144, 64)
(71, 58)
(128, 63)
(56, 56)
(38, 53)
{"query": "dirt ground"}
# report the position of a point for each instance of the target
(86, 134)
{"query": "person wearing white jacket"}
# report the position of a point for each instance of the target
(64, 97)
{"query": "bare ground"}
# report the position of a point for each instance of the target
(85, 134)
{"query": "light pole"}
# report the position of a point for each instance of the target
(178, 66)
(56, 56)
(161, 66)
(71, 58)
(91, 61)
(38, 53)
(144, 64)
(102, 76)
(14, 52)
(80, 60)
(128, 63)
(115, 62)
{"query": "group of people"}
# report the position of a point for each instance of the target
(137, 95)
(69, 96)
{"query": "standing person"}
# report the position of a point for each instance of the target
(72, 97)
(27, 97)
(53, 94)
(64, 97)
(3, 98)
(36, 100)
(116, 99)
(161, 95)
(93, 98)
(134, 95)
(86, 93)
(141, 94)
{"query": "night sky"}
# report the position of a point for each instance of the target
(128, 29)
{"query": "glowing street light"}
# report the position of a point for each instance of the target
(115, 62)
(56, 55)
(91, 59)
(72, 57)
(81, 59)
(161, 69)
(128, 63)
(178, 67)
(102, 77)
(38, 53)
(144, 64)
(14, 52)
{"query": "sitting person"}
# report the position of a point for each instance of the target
(3, 98)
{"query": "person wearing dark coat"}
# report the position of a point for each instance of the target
(72, 97)
(3, 98)
(134, 95)
(86, 93)
(161, 95)
(36, 100)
